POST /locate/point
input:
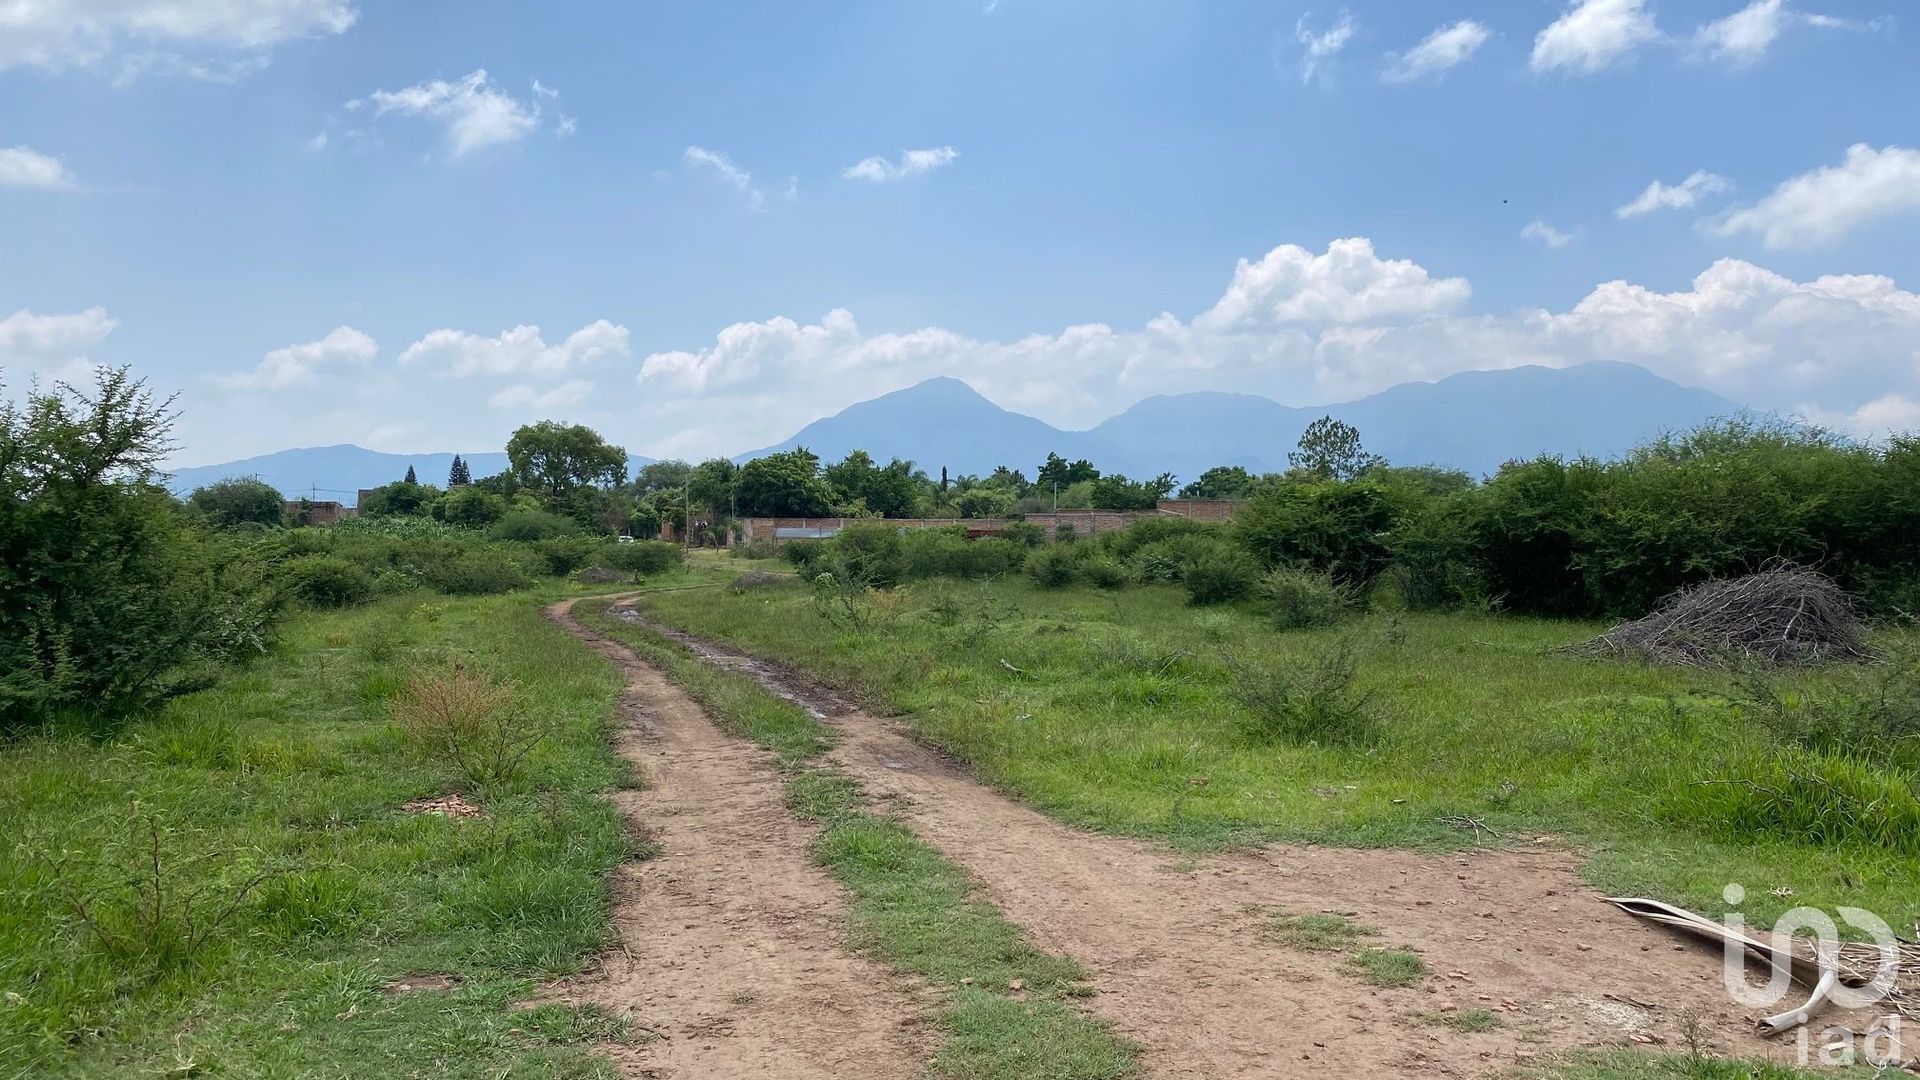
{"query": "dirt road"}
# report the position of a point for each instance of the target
(1183, 956)
(730, 938)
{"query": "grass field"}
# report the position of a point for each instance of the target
(289, 776)
(1131, 712)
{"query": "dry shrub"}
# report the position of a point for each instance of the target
(1784, 615)
(469, 720)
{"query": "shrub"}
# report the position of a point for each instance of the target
(1052, 567)
(1297, 599)
(468, 720)
(1103, 572)
(525, 525)
(753, 549)
(1339, 527)
(477, 573)
(756, 579)
(328, 581)
(802, 553)
(471, 506)
(869, 552)
(1065, 533)
(1312, 703)
(642, 556)
(562, 555)
(1220, 575)
(600, 575)
(1024, 533)
(238, 500)
(1125, 543)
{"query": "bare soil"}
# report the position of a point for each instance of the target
(730, 958)
(1186, 963)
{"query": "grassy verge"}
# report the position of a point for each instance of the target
(1109, 709)
(1008, 1012)
(306, 925)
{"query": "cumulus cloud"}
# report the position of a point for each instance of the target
(1317, 48)
(1439, 52)
(188, 37)
(299, 365)
(911, 163)
(23, 166)
(27, 338)
(1309, 327)
(476, 111)
(523, 396)
(1681, 196)
(1545, 235)
(1822, 205)
(1593, 35)
(1744, 37)
(516, 351)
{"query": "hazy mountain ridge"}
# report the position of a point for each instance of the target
(1474, 420)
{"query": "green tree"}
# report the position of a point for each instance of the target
(459, 475)
(238, 500)
(1116, 492)
(784, 485)
(710, 485)
(1056, 471)
(1220, 482)
(105, 588)
(398, 499)
(661, 475)
(470, 506)
(556, 459)
(410, 478)
(1331, 450)
(888, 491)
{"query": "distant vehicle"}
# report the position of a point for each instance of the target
(624, 539)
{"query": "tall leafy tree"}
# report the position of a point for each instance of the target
(1220, 482)
(710, 485)
(239, 500)
(784, 485)
(410, 478)
(1058, 472)
(1331, 449)
(459, 475)
(556, 459)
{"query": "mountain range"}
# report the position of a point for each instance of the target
(1475, 421)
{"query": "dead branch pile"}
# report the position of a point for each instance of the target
(1784, 615)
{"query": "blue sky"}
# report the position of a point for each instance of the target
(319, 221)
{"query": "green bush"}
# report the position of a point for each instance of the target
(528, 525)
(869, 552)
(1217, 576)
(562, 555)
(1297, 599)
(1052, 567)
(328, 581)
(1308, 703)
(643, 557)
(1024, 533)
(1125, 543)
(1823, 798)
(471, 506)
(1338, 527)
(477, 573)
(1104, 572)
(802, 553)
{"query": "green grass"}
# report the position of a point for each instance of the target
(1130, 712)
(1320, 932)
(1388, 967)
(1008, 1012)
(1468, 1021)
(287, 775)
(1645, 1065)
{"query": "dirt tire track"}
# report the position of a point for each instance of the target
(731, 938)
(1184, 963)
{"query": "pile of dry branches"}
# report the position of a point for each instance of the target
(1783, 615)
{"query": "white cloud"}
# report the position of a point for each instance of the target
(1309, 327)
(23, 166)
(298, 365)
(1822, 205)
(29, 339)
(1441, 51)
(145, 34)
(1318, 48)
(1744, 37)
(1681, 196)
(477, 112)
(1594, 35)
(911, 163)
(1545, 235)
(518, 350)
(522, 396)
(699, 157)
